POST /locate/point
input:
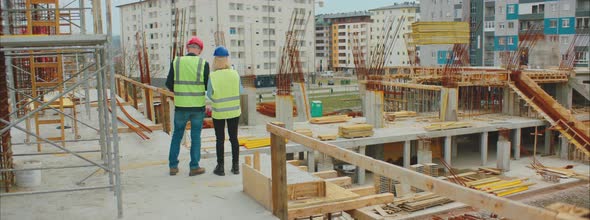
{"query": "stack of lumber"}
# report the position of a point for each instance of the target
(330, 119)
(327, 137)
(490, 170)
(252, 143)
(440, 32)
(355, 131)
(387, 185)
(423, 201)
(432, 169)
(420, 169)
(447, 125)
(557, 172)
(402, 114)
(499, 187)
(304, 131)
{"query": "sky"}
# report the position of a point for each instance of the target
(330, 6)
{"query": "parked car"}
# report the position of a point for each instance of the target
(331, 82)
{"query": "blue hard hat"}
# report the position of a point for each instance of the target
(221, 52)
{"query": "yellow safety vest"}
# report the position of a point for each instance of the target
(189, 86)
(225, 95)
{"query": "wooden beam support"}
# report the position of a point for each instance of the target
(363, 190)
(346, 205)
(504, 207)
(326, 174)
(278, 155)
(342, 181)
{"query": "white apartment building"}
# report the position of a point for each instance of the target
(398, 56)
(254, 31)
(341, 29)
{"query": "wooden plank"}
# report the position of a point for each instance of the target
(257, 160)
(364, 214)
(343, 181)
(257, 186)
(304, 168)
(340, 206)
(128, 130)
(294, 162)
(306, 190)
(278, 155)
(248, 160)
(363, 190)
(326, 174)
(475, 198)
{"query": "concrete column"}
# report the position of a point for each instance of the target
(424, 152)
(563, 147)
(374, 108)
(248, 105)
(484, 148)
(362, 90)
(564, 93)
(360, 172)
(454, 147)
(300, 100)
(447, 149)
(548, 135)
(326, 163)
(449, 104)
(284, 110)
(506, 100)
(516, 143)
(311, 161)
(407, 155)
(503, 154)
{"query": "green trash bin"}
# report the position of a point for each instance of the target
(316, 109)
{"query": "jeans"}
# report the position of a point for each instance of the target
(180, 120)
(232, 130)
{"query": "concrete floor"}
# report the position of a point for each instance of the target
(148, 191)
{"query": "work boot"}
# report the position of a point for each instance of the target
(219, 170)
(197, 171)
(173, 171)
(235, 169)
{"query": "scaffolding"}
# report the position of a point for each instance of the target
(48, 58)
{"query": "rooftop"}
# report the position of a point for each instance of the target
(397, 6)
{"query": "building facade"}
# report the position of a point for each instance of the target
(497, 27)
(253, 31)
(380, 16)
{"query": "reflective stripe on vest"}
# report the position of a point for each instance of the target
(225, 94)
(189, 88)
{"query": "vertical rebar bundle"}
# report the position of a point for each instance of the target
(290, 68)
(6, 178)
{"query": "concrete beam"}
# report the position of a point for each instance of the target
(447, 149)
(484, 148)
(547, 144)
(407, 152)
(424, 152)
(449, 100)
(516, 142)
(284, 110)
(563, 147)
(360, 172)
(503, 154)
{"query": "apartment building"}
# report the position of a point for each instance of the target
(382, 17)
(253, 31)
(323, 43)
(498, 26)
(335, 34)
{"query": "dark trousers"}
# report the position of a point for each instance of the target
(232, 130)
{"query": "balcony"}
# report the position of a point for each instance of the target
(536, 16)
(490, 18)
(582, 12)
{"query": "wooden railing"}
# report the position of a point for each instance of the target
(156, 102)
(477, 199)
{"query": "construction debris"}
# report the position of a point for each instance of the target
(447, 125)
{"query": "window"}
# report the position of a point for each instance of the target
(500, 10)
(582, 22)
(510, 41)
(232, 31)
(510, 9)
(553, 23)
(502, 41)
(268, 31)
(510, 24)
(535, 9)
(501, 25)
(565, 23)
